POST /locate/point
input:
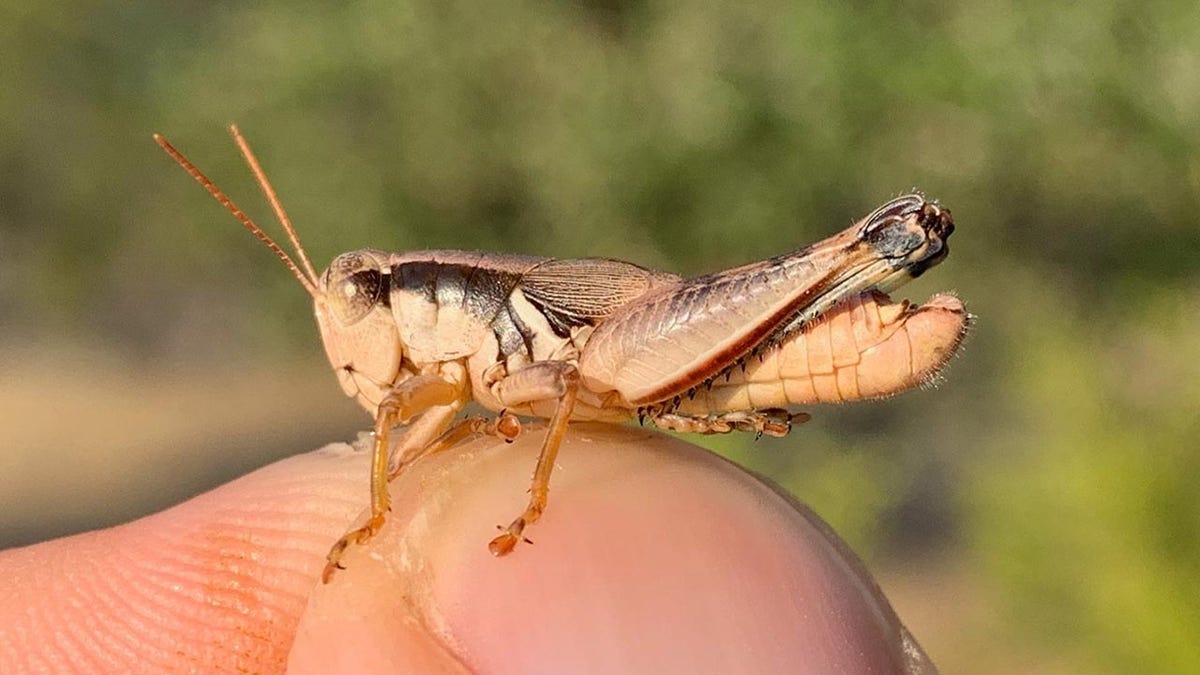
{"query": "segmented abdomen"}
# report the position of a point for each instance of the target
(866, 348)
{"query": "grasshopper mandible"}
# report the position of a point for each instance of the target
(414, 337)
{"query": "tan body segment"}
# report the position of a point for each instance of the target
(866, 348)
(415, 336)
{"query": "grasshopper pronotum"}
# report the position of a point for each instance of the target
(414, 337)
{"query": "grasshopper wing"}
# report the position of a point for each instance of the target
(585, 291)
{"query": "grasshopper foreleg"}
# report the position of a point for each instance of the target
(436, 401)
(541, 381)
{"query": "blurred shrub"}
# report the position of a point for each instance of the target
(691, 136)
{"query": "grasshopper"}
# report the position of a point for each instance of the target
(414, 337)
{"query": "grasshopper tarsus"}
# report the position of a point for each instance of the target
(505, 543)
(502, 545)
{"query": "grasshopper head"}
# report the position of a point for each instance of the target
(354, 313)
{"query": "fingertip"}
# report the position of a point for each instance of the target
(362, 622)
(653, 553)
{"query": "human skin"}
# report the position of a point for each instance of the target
(653, 556)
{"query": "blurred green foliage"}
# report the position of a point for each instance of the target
(1059, 460)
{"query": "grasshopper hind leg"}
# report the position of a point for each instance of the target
(775, 422)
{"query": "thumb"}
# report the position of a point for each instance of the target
(654, 554)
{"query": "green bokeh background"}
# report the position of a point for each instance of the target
(1038, 511)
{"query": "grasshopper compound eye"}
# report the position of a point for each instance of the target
(353, 285)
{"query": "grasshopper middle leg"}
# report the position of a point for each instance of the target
(504, 426)
(541, 381)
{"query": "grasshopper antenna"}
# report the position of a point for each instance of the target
(273, 198)
(310, 281)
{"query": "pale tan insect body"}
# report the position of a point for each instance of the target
(415, 336)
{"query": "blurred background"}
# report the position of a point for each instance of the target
(1037, 512)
